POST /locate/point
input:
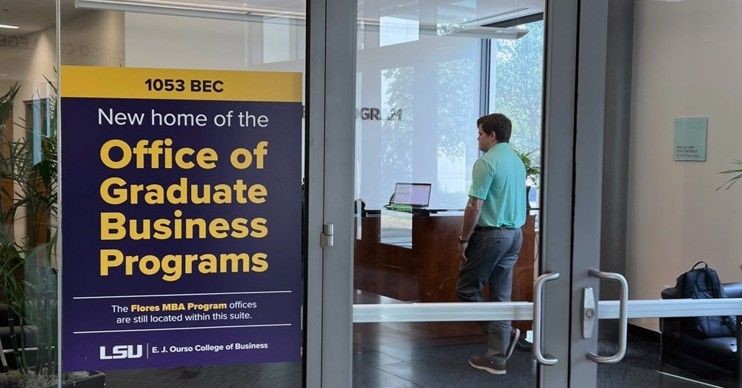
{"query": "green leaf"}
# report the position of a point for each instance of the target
(734, 179)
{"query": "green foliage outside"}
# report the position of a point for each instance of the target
(458, 102)
(533, 171)
(518, 87)
(396, 135)
(517, 78)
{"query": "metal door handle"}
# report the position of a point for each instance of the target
(538, 288)
(623, 318)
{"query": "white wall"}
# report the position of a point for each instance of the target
(27, 65)
(686, 63)
(93, 39)
(186, 42)
(181, 42)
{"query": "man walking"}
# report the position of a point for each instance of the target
(491, 237)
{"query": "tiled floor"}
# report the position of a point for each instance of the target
(433, 355)
(423, 360)
(425, 363)
(437, 366)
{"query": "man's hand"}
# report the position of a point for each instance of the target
(471, 216)
(462, 251)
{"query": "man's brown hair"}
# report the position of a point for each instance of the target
(497, 123)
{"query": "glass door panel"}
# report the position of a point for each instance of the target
(216, 37)
(425, 73)
(28, 191)
(670, 160)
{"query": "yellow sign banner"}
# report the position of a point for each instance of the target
(179, 84)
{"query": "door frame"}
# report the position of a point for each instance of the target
(594, 80)
(588, 180)
(557, 196)
(331, 59)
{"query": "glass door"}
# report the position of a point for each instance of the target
(656, 112)
(424, 74)
(202, 274)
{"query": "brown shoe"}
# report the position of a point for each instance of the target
(485, 364)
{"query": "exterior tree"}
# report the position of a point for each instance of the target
(518, 86)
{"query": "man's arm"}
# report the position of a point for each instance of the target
(471, 216)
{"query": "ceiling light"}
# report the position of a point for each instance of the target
(509, 14)
(456, 30)
(485, 32)
(176, 8)
(9, 26)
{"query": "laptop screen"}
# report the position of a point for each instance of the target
(413, 194)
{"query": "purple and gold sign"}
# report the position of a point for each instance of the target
(181, 218)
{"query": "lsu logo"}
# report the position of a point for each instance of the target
(119, 352)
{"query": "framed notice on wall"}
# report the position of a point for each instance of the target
(181, 217)
(690, 138)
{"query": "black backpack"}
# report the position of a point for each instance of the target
(703, 283)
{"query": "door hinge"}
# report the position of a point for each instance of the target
(327, 238)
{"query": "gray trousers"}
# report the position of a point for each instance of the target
(491, 255)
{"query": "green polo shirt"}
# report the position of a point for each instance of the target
(499, 178)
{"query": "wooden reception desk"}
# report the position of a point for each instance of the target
(428, 271)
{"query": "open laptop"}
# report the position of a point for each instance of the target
(416, 195)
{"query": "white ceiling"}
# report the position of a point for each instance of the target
(32, 15)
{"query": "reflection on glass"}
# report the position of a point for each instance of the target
(394, 30)
(396, 228)
(395, 162)
(28, 196)
(276, 40)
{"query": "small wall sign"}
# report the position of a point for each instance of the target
(690, 138)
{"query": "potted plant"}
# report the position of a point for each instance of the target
(533, 171)
(736, 176)
(28, 276)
